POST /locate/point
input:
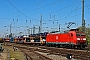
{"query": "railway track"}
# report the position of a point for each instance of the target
(77, 54)
(31, 54)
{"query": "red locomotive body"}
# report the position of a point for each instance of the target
(70, 39)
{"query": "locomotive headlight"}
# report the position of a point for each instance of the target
(78, 38)
(84, 38)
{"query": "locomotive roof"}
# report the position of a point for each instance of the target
(74, 29)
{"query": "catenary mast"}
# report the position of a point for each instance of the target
(83, 21)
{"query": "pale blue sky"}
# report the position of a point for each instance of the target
(27, 13)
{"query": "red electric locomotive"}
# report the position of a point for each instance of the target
(72, 39)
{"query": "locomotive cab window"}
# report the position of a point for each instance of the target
(77, 34)
(80, 34)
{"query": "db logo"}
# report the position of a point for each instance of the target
(56, 37)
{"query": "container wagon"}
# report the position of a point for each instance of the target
(37, 40)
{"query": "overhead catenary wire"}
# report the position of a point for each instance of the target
(32, 10)
(66, 7)
(18, 9)
(45, 6)
(60, 9)
(63, 8)
(58, 16)
(25, 8)
(38, 8)
(69, 12)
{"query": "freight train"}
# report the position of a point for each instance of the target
(35, 39)
(70, 39)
